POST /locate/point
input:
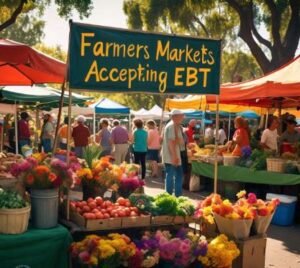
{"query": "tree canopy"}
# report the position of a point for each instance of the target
(227, 19)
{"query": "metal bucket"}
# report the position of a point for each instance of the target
(44, 208)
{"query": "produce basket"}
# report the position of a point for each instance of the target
(230, 160)
(276, 165)
(14, 221)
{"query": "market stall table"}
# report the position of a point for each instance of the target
(246, 175)
(36, 248)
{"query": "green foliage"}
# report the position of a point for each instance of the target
(11, 200)
(91, 153)
(53, 51)
(166, 204)
(259, 159)
(142, 201)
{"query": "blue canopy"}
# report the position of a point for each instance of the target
(249, 114)
(107, 106)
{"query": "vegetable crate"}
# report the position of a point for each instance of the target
(162, 220)
(98, 224)
(136, 221)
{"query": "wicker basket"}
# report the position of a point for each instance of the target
(14, 221)
(276, 165)
(230, 160)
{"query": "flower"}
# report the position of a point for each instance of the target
(52, 177)
(241, 194)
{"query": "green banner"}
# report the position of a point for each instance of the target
(116, 60)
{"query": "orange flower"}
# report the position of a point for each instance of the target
(52, 176)
(30, 179)
(41, 170)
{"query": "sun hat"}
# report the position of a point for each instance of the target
(176, 112)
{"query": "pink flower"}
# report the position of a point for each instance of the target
(252, 198)
(84, 256)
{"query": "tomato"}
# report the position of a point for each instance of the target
(107, 203)
(115, 215)
(92, 204)
(106, 216)
(109, 209)
(122, 213)
(83, 203)
(135, 209)
(133, 214)
(72, 205)
(103, 210)
(121, 201)
(86, 209)
(99, 200)
(89, 216)
(95, 210)
(127, 203)
(90, 200)
(99, 215)
(79, 210)
(127, 211)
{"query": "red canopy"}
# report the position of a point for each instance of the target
(22, 65)
(280, 88)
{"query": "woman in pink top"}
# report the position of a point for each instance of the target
(153, 146)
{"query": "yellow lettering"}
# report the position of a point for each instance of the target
(83, 43)
(191, 76)
(147, 55)
(163, 78)
(188, 56)
(178, 76)
(102, 78)
(131, 50)
(122, 75)
(197, 56)
(211, 60)
(205, 71)
(204, 52)
(132, 75)
(108, 46)
(161, 50)
(98, 49)
(174, 54)
(112, 71)
(92, 71)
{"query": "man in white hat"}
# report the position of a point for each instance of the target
(80, 134)
(173, 143)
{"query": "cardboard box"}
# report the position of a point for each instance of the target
(98, 224)
(138, 221)
(253, 252)
(162, 220)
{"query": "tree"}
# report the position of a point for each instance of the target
(55, 51)
(225, 19)
(10, 10)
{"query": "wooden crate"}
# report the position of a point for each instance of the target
(138, 221)
(189, 219)
(179, 220)
(98, 224)
(162, 220)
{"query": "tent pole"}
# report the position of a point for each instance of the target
(69, 144)
(203, 122)
(36, 136)
(61, 102)
(94, 126)
(229, 126)
(216, 145)
(267, 119)
(16, 129)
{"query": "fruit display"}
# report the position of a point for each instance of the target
(99, 208)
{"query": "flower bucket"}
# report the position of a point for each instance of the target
(238, 229)
(14, 221)
(262, 223)
(44, 205)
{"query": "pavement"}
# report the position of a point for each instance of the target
(283, 243)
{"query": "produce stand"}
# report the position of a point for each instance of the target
(246, 175)
(46, 248)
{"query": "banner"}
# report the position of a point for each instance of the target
(114, 60)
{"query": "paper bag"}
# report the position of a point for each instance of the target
(238, 229)
(194, 183)
(262, 223)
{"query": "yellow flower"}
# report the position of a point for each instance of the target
(241, 194)
(105, 249)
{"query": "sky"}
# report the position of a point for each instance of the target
(106, 13)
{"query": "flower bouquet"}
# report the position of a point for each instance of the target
(102, 176)
(112, 251)
(220, 253)
(263, 210)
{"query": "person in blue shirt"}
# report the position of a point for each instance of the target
(140, 138)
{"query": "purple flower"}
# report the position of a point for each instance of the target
(58, 164)
(182, 233)
(246, 151)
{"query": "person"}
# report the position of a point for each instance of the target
(63, 134)
(240, 137)
(153, 147)
(104, 137)
(291, 135)
(140, 142)
(269, 136)
(190, 130)
(81, 135)
(209, 134)
(222, 134)
(47, 133)
(172, 143)
(119, 140)
(24, 131)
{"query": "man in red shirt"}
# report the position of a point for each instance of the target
(190, 131)
(23, 130)
(80, 134)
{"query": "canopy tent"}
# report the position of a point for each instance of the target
(200, 103)
(7, 108)
(248, 114)
(279, 88)
(76, 110)
(140, 112)
(22, 65)
(155, 113)
(107, 106)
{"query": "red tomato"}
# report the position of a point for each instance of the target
(127, 203)
(90, 200)
(133, 214)
(122, 213)
(121, 201)
(106, 216)
(107, 203)
(72, 205)
(99, 215)
(83, 203)
(92, 204)
(135, 209)
(115, 215)
(99, 200)
(103, 210)
(89, 216)
(109, 209)
(95, 210)
(86, 209)
(127, 211)
(79, 210)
